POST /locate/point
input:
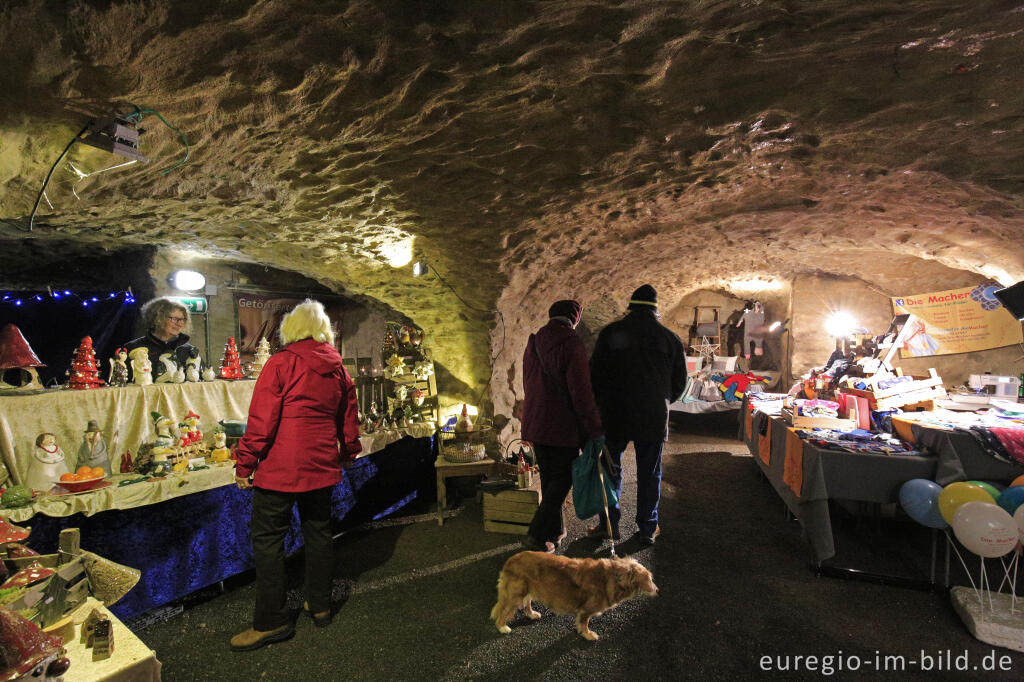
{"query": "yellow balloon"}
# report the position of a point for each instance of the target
(956, 494)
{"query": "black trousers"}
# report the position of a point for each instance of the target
(271, 517)
(555, 482)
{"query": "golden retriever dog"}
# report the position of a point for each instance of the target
(584, 587)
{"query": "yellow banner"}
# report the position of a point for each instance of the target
(956, 321)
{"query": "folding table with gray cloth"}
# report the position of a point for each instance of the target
(864, 477)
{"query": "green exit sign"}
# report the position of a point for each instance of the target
(196, 304)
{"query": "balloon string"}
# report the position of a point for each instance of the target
(964, 564)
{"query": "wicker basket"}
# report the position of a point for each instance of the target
(470, 446)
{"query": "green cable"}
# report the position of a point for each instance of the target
(139, 113)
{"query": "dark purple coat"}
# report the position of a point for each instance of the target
(559, 408)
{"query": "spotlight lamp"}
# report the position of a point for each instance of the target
(778, 327)
(186, 280)
(116, 135)
(840, 324)
(419, 267)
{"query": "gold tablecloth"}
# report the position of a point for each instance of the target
(123, 415)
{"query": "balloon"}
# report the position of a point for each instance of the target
(989, 488)
(1011, 499)
(1018, 481)
(985, 529)
(1018, 516)
(955, 494)
(919, 497)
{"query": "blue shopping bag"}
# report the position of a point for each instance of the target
(586, 481)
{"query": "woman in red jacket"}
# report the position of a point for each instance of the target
(302, 430)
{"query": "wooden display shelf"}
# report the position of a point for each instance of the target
(801, 422)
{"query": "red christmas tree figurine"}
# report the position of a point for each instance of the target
(229, 366)
(83, 372)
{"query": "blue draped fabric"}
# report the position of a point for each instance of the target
(187, 543)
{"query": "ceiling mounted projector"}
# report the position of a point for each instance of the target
(116, 135)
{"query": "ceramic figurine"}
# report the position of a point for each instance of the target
(417, 395)
(127, 465)
(118, 369)
(262, 355)
(403, 338)
(192, 419)
(208, 373)
(464, 424)
(163, 444)
(401, 392)
(47, 465)
(170, 373)
(193, 365)
(83, 373)
(220, 452)
(142, 369)
(93, 450)
(229, 365)
(30, 653)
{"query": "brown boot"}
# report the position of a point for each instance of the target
(254, 639)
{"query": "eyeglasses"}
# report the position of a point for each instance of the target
(179, 320)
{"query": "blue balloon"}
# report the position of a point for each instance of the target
(1011, 498)
(919, 497)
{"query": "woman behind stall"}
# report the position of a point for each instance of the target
(301, 431)
(166, 322)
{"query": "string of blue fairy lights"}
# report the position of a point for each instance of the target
(22, 298)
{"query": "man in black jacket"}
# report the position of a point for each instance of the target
(637, 369)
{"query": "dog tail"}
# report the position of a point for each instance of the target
(501, 590)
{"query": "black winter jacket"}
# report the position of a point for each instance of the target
(637, 369)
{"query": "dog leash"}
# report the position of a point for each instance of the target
(604, 498)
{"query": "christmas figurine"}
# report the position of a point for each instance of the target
(464, 424)
(142, 369)
(220, 452)
(262, 355)
(47, 464)
(229, 366)
(84, 373)
(127, 465)
(93, 450)
(170, 372)
(119, 369)
(193, 365)
(15, 353)
(192, 420)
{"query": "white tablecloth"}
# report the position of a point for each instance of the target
(131, 660)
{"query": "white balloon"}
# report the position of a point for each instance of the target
(986, 529)
(1018, 516)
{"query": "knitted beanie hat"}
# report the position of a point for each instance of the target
(644, 298)
(569, 309)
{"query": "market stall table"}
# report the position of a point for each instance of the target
(806, 477)
(130, 661)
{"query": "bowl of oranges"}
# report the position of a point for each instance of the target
(85, 478)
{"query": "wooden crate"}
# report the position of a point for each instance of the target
(801, 422)
(921, 390)
(510, 511)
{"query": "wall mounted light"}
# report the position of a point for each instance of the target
(186, 280)
(419, 268)
(116, 135)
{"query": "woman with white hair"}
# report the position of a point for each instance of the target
(301, 432)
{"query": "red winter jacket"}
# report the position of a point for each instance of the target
(303, 404)
(558, 408)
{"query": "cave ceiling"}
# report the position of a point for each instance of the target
(530, 150)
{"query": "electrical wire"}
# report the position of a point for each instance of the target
(501, 318)
(139, 113)
(32, 215)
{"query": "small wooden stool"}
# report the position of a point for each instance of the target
(446, 469)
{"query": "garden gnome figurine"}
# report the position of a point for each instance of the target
(119, 368)
(47, 465)
(142, 369)
(93, 450)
